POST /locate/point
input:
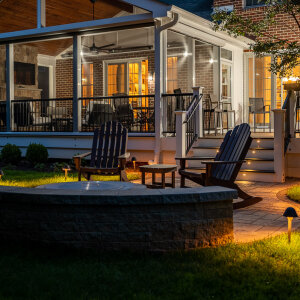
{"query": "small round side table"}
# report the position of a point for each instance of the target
(159, 169)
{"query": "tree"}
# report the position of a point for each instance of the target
(286, 53)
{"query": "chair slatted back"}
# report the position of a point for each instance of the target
(109, 142)
(234, 148)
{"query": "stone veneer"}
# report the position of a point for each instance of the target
(149, 220)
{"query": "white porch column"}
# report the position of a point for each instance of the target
(41, 13)
(76, 83)
(180, 133)
(160, 84)
(279, 160)
(10, 86)
(191, 62)
(197, 91)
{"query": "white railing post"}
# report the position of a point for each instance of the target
(180, 133)
(279, 160)
(197, 91)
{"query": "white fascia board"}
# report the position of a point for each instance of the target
(201, 24)
(66, 29)
(158, 8)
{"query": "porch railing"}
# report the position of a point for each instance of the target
(192, 123)
(172, 103)
(135, 112)
(189, 124)
(42, 115)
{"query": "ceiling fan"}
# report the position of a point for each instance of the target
(94, 49)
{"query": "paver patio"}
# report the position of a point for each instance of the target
(263, 219)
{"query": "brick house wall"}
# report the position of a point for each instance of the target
(64, 72)
(256, 13)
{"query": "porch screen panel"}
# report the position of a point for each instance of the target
(116, 79)
(260, 84)
(87, 81)
(172, 71)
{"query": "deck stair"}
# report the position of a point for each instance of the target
(259, 165)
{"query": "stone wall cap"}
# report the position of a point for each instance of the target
(117, 198)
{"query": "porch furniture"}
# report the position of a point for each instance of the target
(108, 155)
(180, 103)
(227, 110)
(159, 169)
(62, 124)
(224, 169)
(123, 110)
(258, 107)
(212, 113)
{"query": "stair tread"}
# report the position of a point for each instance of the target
(241, 171)
(252, 148)
(211, 157)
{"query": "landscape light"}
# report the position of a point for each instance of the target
(133, 162)
(1, 174)
(290, 213)
(66, 168)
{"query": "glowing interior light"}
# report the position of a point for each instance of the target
(253, 152)
(258, 141)
(244, 174)
(211, 61)
(249, 163)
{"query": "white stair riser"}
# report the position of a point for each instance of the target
(260, 177)
(209, 142)
(254, 165)
(264, 154)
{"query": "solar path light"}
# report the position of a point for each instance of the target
(290, 213)
(133, 162)
(66, 168)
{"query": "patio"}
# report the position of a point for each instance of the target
(264, 219)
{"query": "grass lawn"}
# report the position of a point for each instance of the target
(268, 269)
(35, 178)
(294, 193)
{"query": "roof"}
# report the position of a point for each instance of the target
(202, 8)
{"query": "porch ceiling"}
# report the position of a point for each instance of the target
(20, 15)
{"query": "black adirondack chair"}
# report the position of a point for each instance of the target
(108, 155)
(224, 169)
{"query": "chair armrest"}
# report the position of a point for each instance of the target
(82, 155)
(77, 159)
(124, 156)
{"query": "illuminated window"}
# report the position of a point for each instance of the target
(128, 78)
(87, 80)
(116, 79)
(172, 71)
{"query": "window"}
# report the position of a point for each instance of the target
(127, 78)
(116, 79)
(226, 54)
(172, 71)
(87, 80)
(255, 2)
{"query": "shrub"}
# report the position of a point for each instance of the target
(11, 154)
(37, 154)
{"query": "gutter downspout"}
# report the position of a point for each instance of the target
(160, 83)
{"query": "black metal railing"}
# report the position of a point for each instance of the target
(172, 103)
(287, 130)
(135, 112)
(297, 112)
(191, 123)
(42, 115)
(2, 116)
